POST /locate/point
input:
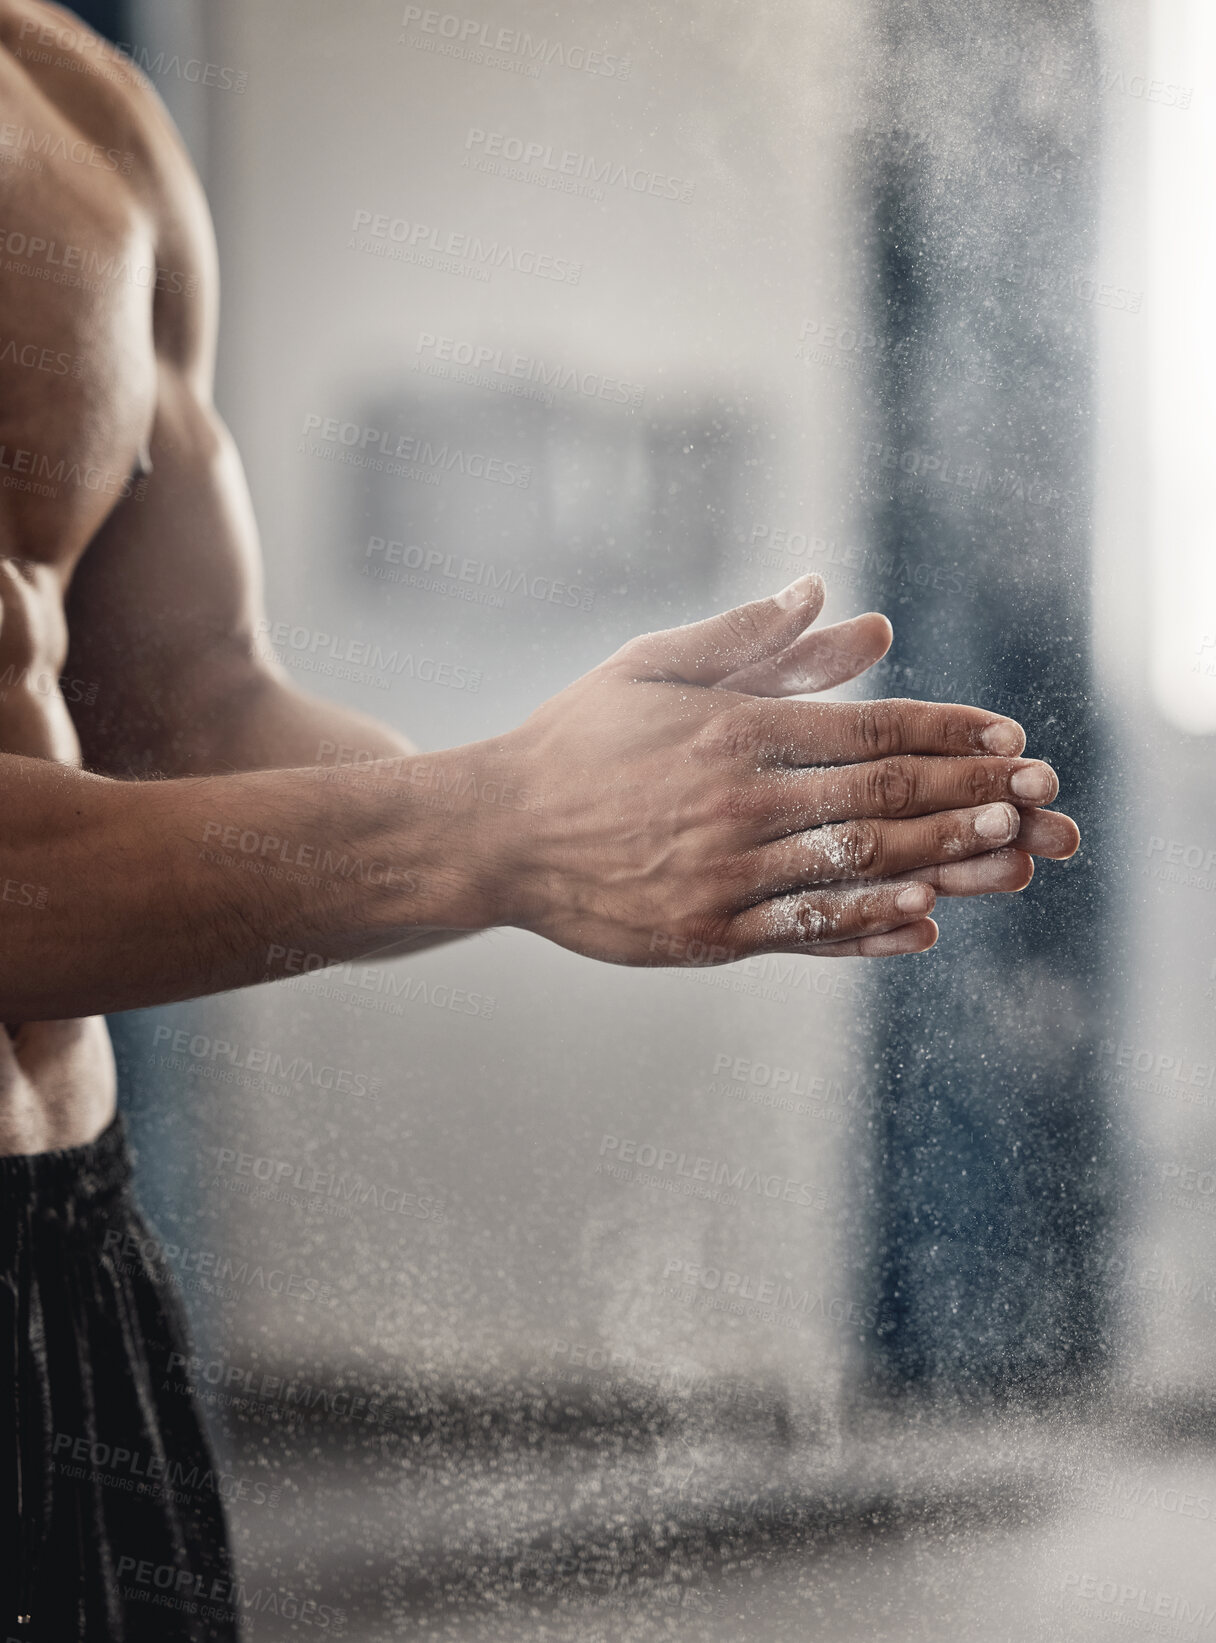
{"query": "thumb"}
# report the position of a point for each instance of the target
(705, 652)
(819, 659)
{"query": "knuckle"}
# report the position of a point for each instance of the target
(635, 654)
(743, 625)
(979, 783)
(890, 788)
(862, 848)
(948, 835)
(697, 941)
(734, 804)
(734, 735)
(811, 919)
(879, 728)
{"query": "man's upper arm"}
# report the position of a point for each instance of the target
(164, 605)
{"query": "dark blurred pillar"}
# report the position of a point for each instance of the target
(108, 17)
(993, 1182)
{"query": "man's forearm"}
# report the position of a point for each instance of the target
(244, 716)
(255, 720)
(118, 895)
(273, 726)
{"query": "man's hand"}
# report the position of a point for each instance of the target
(668, 808)
(686, 810)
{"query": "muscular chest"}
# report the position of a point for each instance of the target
(78, 278)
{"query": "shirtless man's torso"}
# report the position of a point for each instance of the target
(80, 355)
(128, 555)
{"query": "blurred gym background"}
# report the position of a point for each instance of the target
(912, 298)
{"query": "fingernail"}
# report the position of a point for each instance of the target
(996, 821)
(915, 899)
(1034, 781)
(1005, 737)
(796, 592)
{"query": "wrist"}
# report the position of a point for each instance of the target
(460, 819)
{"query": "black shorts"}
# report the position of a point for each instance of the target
(111, 1521)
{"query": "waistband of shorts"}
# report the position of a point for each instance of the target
(78, 1176)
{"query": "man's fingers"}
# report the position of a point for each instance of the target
(1048, 833)
(894, 788)
(870, 850)
(704, 653)
(997, 872)
(801, 923)
(909, 938)
(817, 660)
(819, 733)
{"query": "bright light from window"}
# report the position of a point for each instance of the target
(1181, 260)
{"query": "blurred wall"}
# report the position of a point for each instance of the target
(744, 297)
(537, 1257)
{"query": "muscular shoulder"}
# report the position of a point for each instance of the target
(104, 96)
